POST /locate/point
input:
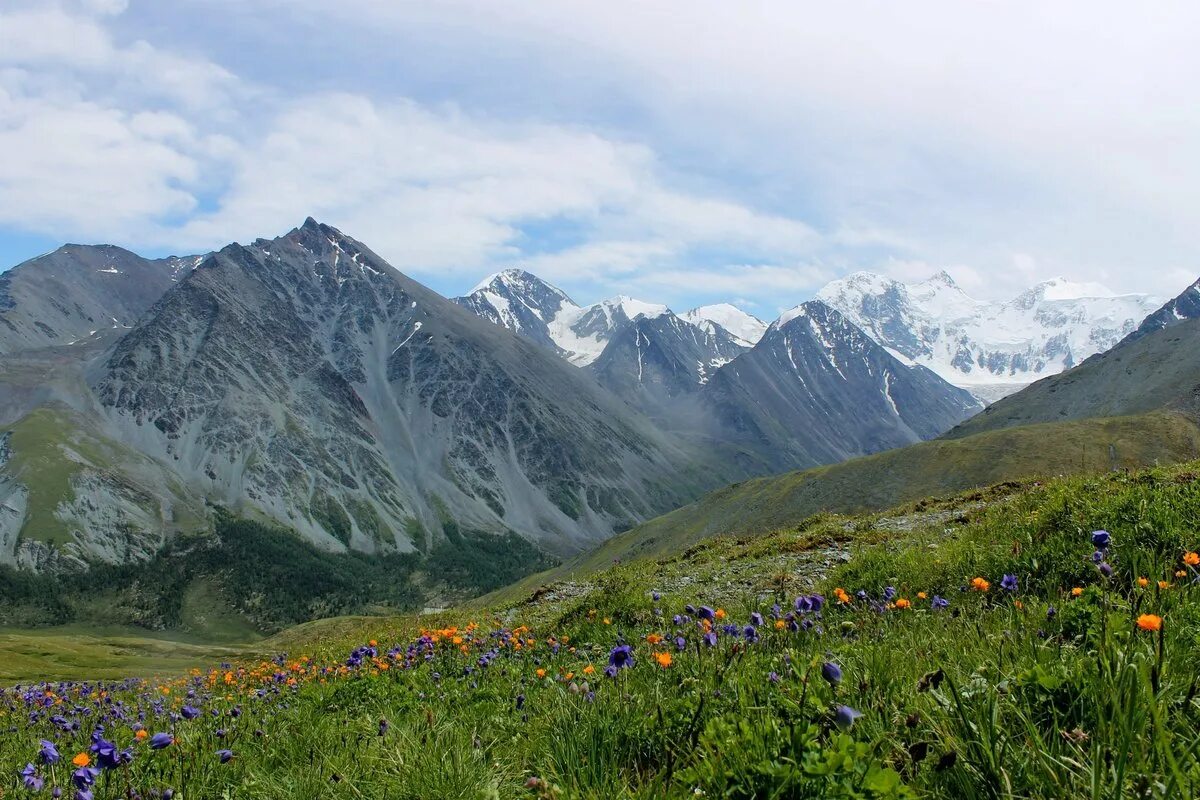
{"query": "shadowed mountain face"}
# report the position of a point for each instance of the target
(79, 293)
(1179, 309)
(816, 390)
(307, 378)
(654, 362)
(521, 302)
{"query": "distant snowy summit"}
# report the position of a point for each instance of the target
(523, 302)
(988, 348)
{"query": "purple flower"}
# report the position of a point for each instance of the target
(680, 643)
(1051, 612)
(1097, 557)
(1009, 583)
(832, 673)
(1105, 569)
(773, 677)
(707, 613)
(844, 717)
(656, 596)
(32, 780)
(1101, 538)
(610, 671)
(383, 727)
(49, 753)
(750, 633)
(889, 592)
(84, 777)
(225, 756)
(939, 603)
(189, 712)
(106, 752)
(621, 657)
(161, 741)
(756, 619)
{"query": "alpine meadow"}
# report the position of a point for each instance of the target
(579, 400)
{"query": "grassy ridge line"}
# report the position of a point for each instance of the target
(896, 477)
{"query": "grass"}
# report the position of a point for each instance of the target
(870, 484)
(996, 696)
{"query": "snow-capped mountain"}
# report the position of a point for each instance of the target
(526, 304)
(817, 389)
(746, 327)
(989, 348)
(655, 359)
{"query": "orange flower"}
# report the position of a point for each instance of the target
(1076, 592)
(654, 638)
(1191, 559)
(81, 760)
(719, 613)
(1143, 582)
(980, 585)
(589, 669)
(1150, 622)
(903, 603)
(841, 595)
(779, 624)
(141, 734)
(921, 595)
(607, 621)
(663, 659)
(373, 643)
(1164, 584)
(541, 673)
(1020, 606)
(1181, 573)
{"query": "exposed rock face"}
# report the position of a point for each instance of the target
(654, 361)
(78, 292)
(816, 390)
(307, 378)
(1176, 310)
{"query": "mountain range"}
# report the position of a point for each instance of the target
(304, 381)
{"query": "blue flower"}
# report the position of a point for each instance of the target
(161, 741)
(889, 592)
(32, 780)
(49, 753)
(1105, 569)
(831, 672)
(1101, 538)
(1009, 583)
(621, 657)
(844, 717)
(939, 603)
(225, 756)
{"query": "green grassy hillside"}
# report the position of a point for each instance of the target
(969, 648)
(930, 469)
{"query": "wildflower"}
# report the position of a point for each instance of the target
(31, 779)
(831, 672)
(84, 777)
(750, 634)
(140, 734)
(1143, 582)
(980, 585)
(773, 677)
(655, 596)
(756, 619)
(225, 756)
(939, 603)
(589, 669)
(189, 712)
(841, 596)
(541, 673)
(1075, 592)
(844, 717)
(383, 727)
(520, 702)
(621, 657)
(1150, 622)
(719, 613)
(1105, 569)
(1191, 559)
(680, 643)
(1181, 573)
(1051, 612)
(1008, 583)
(903, 603)
(710, 638)
(663, 659)
(106, 753)
(889, 592)
(921, 595)
(81, 760)
(1164, 584)
(780, 624)
(707, 613)
(49, 753)
(1097, 556)
(1101, 538)
(161, 741)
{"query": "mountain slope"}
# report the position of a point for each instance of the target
(745, 327)
(77, 292)
(519, 301)
(1160, 370)
(1179, 309)
(990, 348)
(653, 361)
(306, 378)
(816, 389)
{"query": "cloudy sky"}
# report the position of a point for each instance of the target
(686, 152)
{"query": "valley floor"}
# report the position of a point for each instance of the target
(1034, 641)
